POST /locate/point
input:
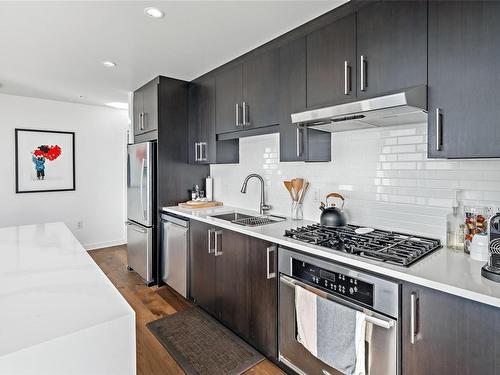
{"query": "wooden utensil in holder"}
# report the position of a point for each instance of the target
(297, 188)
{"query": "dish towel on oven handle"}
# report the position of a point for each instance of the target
(333, 333)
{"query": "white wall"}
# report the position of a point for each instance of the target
(384, 174)
(100, 153)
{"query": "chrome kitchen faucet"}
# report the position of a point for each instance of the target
(263, 207)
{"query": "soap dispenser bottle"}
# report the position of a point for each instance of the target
(455, 224)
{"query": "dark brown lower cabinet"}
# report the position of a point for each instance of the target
(451, 335)
(232, 287)
(262, 272)
(233, 277)
(202, 267)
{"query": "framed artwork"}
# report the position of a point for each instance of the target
(45, 161)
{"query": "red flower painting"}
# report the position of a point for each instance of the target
(42, 153)
(48, 152)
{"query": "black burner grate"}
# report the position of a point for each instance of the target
(391, 247)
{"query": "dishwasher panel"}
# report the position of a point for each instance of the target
(174, 252)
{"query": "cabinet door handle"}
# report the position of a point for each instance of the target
(363, 73)
(299, 142)
(210, 248)
(439, 129)
(196, 157)
(237, 112)
(413, 317)
(347, 78)
(217, 244)
(203, 151)
(246, 121)
(269, 250)
(141, 120)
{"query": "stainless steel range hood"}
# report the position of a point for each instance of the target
(405, 107)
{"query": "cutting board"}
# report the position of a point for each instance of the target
(197, 204)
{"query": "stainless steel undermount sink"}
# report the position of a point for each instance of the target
(248, 220)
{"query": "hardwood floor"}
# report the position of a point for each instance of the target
(150, 304)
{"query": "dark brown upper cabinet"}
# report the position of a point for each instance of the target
(297, 143)
(261, 75)
(229, 99)
(247, 94)
(201, 121)
(145, 108)
(391, 47)
(464, 77)
(203, 146)
(331, 63)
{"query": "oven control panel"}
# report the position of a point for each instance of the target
(333, 282)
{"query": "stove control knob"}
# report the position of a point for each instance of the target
(351, 291)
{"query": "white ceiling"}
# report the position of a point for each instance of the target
(54, 49)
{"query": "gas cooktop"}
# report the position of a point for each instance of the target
(390, 247)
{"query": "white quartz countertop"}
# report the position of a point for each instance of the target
(445, 269)
(51, 288)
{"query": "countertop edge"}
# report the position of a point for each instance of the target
(383, 271)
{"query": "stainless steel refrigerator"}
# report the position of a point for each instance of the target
(141, 230)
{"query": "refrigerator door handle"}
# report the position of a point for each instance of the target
(135, 227)
(148, 192)
(142, 190)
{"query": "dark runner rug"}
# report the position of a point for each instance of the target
(201, 345)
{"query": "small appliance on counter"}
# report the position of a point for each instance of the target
(491, 270)
(331, 216)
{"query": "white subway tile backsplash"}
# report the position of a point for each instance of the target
(410, 157)
(438, 164)
(411, 140)
(390, 141)
(422, 148)
(384, 174)
(405, 148)
(399, 132)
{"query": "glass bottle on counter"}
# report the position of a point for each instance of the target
(455, 225)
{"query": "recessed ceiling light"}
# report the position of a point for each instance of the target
(118, 105)
(109, 64)
(153, 12)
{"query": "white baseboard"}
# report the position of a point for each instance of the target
(102, 245)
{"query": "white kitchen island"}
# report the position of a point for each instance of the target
(59, 313)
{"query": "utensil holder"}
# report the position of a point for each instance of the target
(297, 212)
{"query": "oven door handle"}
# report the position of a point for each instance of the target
(382, 323)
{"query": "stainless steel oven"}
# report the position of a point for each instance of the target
(378, 298)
